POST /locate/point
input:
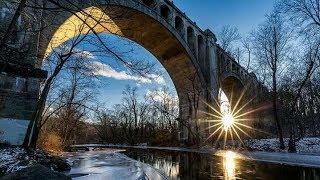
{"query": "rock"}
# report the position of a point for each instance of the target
(52, 162)
(36, 172)
(2, 171)
(58, 164)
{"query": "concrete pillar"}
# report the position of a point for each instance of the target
(213, 68)
(19, 79)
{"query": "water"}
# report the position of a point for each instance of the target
(109, 164)
(180, 165)
(190, 165)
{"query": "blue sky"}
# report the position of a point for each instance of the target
(112, 87)
(212, 14)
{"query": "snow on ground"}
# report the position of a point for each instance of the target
(304, 146)
(282, 158)
(13, 159)
(309, 145)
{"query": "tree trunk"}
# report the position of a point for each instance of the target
(33, 130)
(275, 112)
(35, 123)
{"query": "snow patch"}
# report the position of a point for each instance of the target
(304, 145)
(13, 159)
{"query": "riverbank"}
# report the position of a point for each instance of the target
(304, 146)
(15, 158)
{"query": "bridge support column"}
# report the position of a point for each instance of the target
(192, 119)
(19, 91)
(212, 73)
(19, 79)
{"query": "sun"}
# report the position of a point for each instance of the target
(228, 121)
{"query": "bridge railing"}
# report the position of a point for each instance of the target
(193, 36)
(228, 65)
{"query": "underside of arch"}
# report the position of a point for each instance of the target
(233, 88)
(138, 27)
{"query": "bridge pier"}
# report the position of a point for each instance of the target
(19, 91)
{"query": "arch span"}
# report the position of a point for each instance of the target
(139, 23)
(232, 86)
(191, 56)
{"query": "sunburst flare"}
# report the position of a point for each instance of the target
(229, 120)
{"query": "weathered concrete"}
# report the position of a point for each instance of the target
(196, 64)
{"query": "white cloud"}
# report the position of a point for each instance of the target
(161, 95)
(85, 54)
(65, 49)
(157, 78)
(105, 70)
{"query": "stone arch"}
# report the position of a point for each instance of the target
(179, 24)
(150, 31)
(150, 3)
(191, 38)
(165, 12)
(232, 86)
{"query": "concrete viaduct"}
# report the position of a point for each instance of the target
(191, 56)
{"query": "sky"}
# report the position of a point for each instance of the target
(116, 76)
(212, 14)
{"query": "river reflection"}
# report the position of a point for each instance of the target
(227, 166)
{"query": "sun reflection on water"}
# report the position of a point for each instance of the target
(229, 165)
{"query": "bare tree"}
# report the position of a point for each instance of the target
(305, 15)
(305, 18)
(311, 59)
(141, 120)
(69, 101)
(167, 105)
(194, 99)
(227, 36)
(35, 124)
(271, 41)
